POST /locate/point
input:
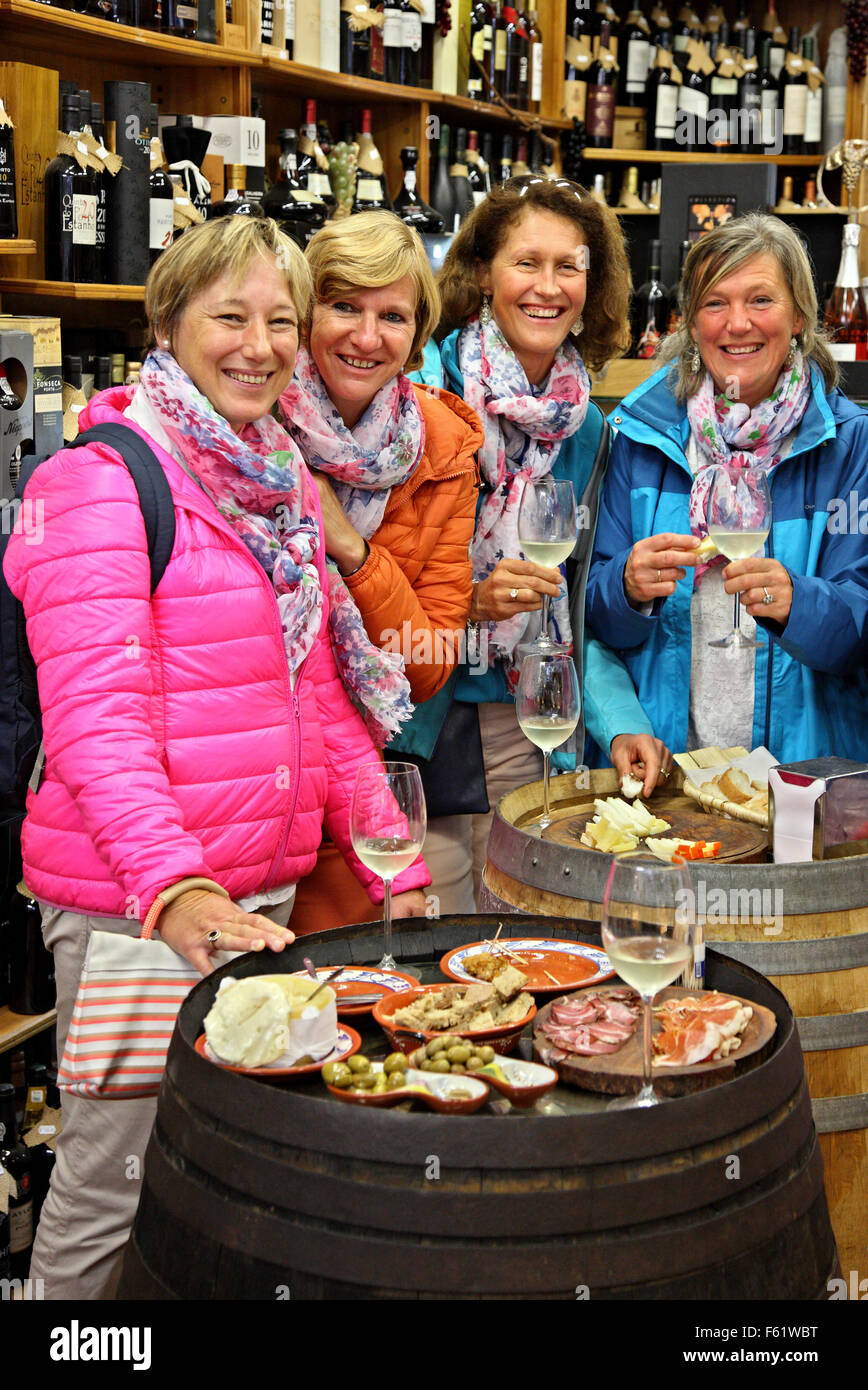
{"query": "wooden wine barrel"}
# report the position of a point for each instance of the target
(804, 926)
(266, 1191)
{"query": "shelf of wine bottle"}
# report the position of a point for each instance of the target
(17, 1028)
(107, 40)
(69, 289)
(18, 246)
(692, 157)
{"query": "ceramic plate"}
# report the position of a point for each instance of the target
(436, 1098)
(362, 980)
(572, 963)
(348, 1042)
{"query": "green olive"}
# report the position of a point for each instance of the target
(395, 1081)
(437, 1045)
(440, 1064)
(358, 1063)
(396, 1061)
(487, 1054)
(418, 1057)
(337, 1074)
(364, 1080)
(459, 1052)
(473, 1063)
(458, 1067)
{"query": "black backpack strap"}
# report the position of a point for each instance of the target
(152, 485)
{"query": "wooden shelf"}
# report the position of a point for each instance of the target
(17, 1028)
(692, 157)
(622, 377)
(63, 289)
(17, 246)
(105, 40)
(812, 212)
(636, 212)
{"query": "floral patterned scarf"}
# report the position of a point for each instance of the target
(259, 484)
(729, 434)
(523, 436)
(364, 462)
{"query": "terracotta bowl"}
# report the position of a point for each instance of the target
(503, 1039)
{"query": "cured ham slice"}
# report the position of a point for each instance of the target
(699, 1028)
(592, 1025)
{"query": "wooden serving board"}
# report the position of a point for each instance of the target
(739, 840)
(620, 1073)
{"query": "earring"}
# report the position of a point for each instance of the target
(695, 360)
(791, 352)
(578, 325)
(485, 310)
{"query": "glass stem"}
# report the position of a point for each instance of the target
(544, 619)
(387, 917)
(736, 614)
(547, 768)
(647, 1001)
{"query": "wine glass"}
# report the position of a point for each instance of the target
(548, 704)
(739, 517)
(387, 828)
(647, 930)
(547, 531)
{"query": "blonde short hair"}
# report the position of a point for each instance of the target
(719, 254)
(370, 250)
(205, 253)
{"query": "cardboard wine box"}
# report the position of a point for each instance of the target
(47, 379)
(16, 425)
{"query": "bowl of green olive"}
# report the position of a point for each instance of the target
(448, 1088)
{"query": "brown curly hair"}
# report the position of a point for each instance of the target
(606, 330)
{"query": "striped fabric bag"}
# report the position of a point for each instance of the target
(124, 1015)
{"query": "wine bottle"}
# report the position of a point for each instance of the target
(497, 57)
(692, 115)
(505, 167)
(520, 166)
(674, 320)
(442, 192)
(777, 42)
(635, 63)
(71, 198)
(480, 49)
(750, 97)
(741, 23)
(312, 163)
(459, 179)
(578, 58)
(660, 24)
(102, 179)
(393, 34)
(686, 27)
(239, 201)
(185, 145)
(8, 198)
(102, 373)
(846, 317)
(794, 95)
(604, 14)
(602, 78)
(650, 309)
(15, 1158)
(162, 220)
(835, 95)
(408, 205)
(179, 17)
(411, 44)
(289, 27)
(297, 210)
(513, 55)
(535, 60)
(723, 94)
(266, 22)
(769, 100)
(813, 101)
(355, 45)
(371, 191)
(475, 175)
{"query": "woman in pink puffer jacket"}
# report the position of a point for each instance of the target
(197, 739)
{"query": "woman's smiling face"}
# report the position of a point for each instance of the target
(743, 328)
(537, 283)
(361, 341)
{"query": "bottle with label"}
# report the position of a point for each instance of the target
(8, 199)
(15, 1159)
(313, 169)
(661, 23)
(504, 170)
(794, 95)
(408, 205)
(486, 161)
(411, 44)
(185, 147)
(602, 80)
(458, 177)
(497, 56)
(813, 101)
(530, 20)
(520, 166)
(650, 309)
(239, 201)
(299, 212)
(393, 38)
(516, 56)
(686, 27)
(289, 27)
(723, 97)
(480, 49)
(442, 192)
(635, 61)
(355, 38)
(750, 96)
(691, 120)
(371, 190)
(769, 100)
(846, 317)
(835, 95)
(102, 178)
(71, 198)
(475, 176)
(777, 42)
(179, 17)
(578, 58)
(674, 320)
(162, 207)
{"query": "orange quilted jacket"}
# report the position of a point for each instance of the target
(415, 584)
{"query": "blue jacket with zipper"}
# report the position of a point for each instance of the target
(811, 686)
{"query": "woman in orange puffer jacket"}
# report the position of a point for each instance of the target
(396, 472)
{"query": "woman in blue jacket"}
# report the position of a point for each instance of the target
(535, 286)
(749, 382)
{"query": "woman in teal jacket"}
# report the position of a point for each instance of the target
(752, 384)
(535, 286)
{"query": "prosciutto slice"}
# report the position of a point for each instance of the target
(592, 1024)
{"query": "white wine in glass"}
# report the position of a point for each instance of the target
(647, 930)
(547, 705)
(387, 828)
(739, 517)
(547, 531)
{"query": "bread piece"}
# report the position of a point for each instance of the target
(735, 786)
(509, 982)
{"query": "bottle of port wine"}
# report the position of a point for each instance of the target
(313, 166)
(162, 205)
(239, 200)
(411, 44)
(662, 96)
(71, 198)
(299, 211)
(408, 205)
(497, 56)
(8, 200)
(371, 191)
(480, 49)
(578, 58)
(602, 80)
(636, 56)
(102, 176)
(442, 192)
(534, 60)
(650, 309)
(793, 83)
(15, 1159)
(846, 317)
(393, 35)
(516, 57)
(355, 56)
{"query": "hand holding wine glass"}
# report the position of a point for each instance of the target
(739, 518)
(547, 531)
(387, 828)
(648, 933)
(548, 704)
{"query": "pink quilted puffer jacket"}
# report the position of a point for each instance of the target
(174, 743)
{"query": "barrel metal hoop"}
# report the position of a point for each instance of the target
(824, 1031)
(819, 956)
(834, 1114)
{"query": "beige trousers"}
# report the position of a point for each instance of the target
(97, 1179)
(455, 846)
